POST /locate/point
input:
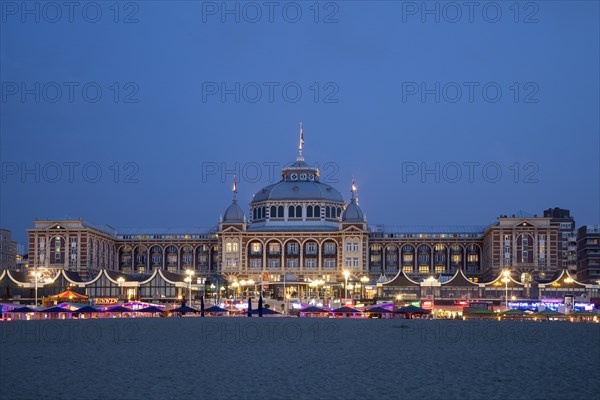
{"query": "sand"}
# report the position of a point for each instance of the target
(293, 358)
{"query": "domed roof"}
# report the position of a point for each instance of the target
(353, 213)
(234, 213)
(298, 190)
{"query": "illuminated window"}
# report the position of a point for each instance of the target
(423, 268)
(231, 247)
(274, 248)
(255, 247)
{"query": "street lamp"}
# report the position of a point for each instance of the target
(506, 279)
(235, 286)
(36, 277)
(120, 280)
(346, 275)
(364, 280)
(568, 281)
(189, 274)
(250, 282)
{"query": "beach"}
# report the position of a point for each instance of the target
(299, 358)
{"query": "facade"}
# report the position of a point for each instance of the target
(8, 250)
(300, 236)
(588, 254)
(567, 237)
(523, 243)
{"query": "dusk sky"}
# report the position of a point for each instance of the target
(189, 96)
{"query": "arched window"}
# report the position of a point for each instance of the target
(309, 211)
(298, 211)
(280, 212)
(327, 212)
(291, 212)
(317, 212)
(273, 212)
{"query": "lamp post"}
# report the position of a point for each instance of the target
(235, 286)
(568, 281)
(189, 274)
(346, 275)
(364, 280)
(506, 279)
(250, 282)
(120, 280)
(36, 277)
(242, 284)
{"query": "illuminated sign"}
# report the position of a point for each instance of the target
(427, 304)
(104, 301)
(552, 304)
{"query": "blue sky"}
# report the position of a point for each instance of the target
(379, 100)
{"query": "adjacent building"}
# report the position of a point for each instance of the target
(8, 250)
(588, 254)
(567, 237)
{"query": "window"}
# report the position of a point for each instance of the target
(408, 258)
(274, 248)
(273, 263)
(231, 247)
(291, 212)
(311, 248)
(291, 263)
(255, 263)
(329, 263)
(292, 248)
(309, 212)
(298, 211)
(473, 258)
(565, 225)
(187, 259)
(317, 212)
(351, 262)
(280, 212)
(255, 247)
(352, 246)
(327, 212)
(329, 248)
(310, 263)
(273, 212)
(423, 268)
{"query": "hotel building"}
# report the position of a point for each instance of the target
(299, 235)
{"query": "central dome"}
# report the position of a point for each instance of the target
(298, 199)
(298, 190)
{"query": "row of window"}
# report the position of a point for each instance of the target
(290, 263)
(295, 212)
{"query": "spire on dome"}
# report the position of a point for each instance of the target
(300, 156)
(234, 189)
(353, 198)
